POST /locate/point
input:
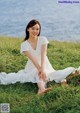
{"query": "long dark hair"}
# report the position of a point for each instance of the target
(31, 24)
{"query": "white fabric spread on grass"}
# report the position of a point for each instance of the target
(30, 73)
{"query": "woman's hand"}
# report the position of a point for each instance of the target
(42, 74)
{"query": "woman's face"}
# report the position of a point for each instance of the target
(34, 31)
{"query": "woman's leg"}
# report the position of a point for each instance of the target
(41, 88)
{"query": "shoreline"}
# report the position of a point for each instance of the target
(50, 39)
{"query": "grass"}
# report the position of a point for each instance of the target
(23, 98)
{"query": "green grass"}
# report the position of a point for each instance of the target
(23, 98)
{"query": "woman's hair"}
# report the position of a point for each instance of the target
(31, 24)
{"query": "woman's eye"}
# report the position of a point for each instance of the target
(32, 28)
(35, 29)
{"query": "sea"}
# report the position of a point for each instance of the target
(60, 19)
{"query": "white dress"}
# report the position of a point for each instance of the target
(30, 73)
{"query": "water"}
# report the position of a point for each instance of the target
(60, 21)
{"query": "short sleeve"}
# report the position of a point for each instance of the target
(24, 47)
(44, 40)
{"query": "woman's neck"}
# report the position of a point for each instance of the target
(32, 38)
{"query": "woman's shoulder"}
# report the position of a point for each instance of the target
(43, 39)
(24, 43)
(24, 46)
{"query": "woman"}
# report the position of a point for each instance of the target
(38, 68)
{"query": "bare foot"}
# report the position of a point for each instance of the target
(76, 73)
(64, 83)
(45, 91)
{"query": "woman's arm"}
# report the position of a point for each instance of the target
(33, 59)
(43, 56)
(41, 73)
(43, 61)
